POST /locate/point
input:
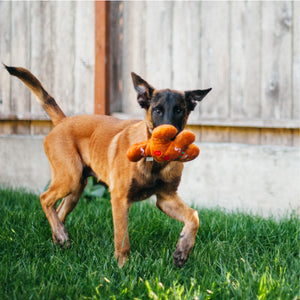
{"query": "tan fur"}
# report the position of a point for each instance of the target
(81, 146)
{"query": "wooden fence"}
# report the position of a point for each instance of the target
(247, 51)
(55, 40)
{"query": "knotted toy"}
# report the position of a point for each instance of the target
(164, 146)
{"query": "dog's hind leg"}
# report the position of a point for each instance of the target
(120, 210)
(66, 183)
(48, 202)
(174, 207)
(69, 202)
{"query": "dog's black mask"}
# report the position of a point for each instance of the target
(166, 106)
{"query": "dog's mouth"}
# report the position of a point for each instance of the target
(176, 135)
(178, 129)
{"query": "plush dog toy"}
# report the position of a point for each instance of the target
(164, 147)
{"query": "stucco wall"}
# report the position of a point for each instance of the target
(261, 179)
(23, 162)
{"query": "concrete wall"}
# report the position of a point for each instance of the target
(23, 162)
(263, 180)
(259, 179)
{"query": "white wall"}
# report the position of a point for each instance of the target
(23, 162)
(263, 180)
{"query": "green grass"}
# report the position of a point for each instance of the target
(236, 256)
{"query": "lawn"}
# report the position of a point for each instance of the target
(235, 256)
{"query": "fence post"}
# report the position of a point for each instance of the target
(102, 41)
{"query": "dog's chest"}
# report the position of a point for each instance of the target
(140, 191)
(152, 181)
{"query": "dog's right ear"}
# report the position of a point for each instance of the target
(143, 89)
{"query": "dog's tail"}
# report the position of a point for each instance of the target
(48, 103)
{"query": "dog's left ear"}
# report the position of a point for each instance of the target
(192, 97)
(143, 89)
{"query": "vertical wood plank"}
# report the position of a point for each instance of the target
(186, 44)
(64, 55)
(84, 58)
(41, 56)
(159, 49)
(116, 41)
(296, 60)
(41, 50)
(5, 47)
(276, 63)
(101, 57)
(133, 58)
(20, 55)
(245, 60)
(215, 58)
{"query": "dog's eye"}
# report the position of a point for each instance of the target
(158, 111)
(178, 110)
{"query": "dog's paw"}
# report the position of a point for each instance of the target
(182, 252)
(122, 261)
(180, 258)
(122, 258)
(61, 239)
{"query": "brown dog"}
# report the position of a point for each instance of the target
(95, 145)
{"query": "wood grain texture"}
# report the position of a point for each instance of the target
(40, 127)
(277, 136)
(64, 58)
(41, 61)
(296, 61)
(212, 134)
(276, 88)
(185, 40)
(250, 136)
(116, 48)
(102, 45)
(247, 51)
(20, 54)
(56, 42)
(41, 56)
(158, 43)
(296, 137)
(133, 57)
(215, 57)
(5, 54)
(84, 68)
(245, 60)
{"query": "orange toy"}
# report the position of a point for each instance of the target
(163, 147)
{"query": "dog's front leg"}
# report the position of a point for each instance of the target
(174, 207)
(120, 211)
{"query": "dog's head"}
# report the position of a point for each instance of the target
(166, 106)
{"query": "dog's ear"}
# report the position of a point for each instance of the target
(143, 89)
(192, 97)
